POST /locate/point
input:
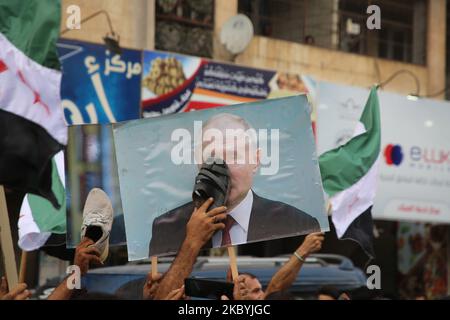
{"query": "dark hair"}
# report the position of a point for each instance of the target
(248, 274)
(95, 296)
(280, 295)
(309, 39)
(329, 291)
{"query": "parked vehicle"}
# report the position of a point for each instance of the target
(319, 270)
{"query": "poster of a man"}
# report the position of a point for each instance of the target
(256, 160)
(249, 217)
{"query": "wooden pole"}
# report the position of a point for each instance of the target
(233, 262)
(7, 242)
(329, 208)
(23, 267)
(154, 266)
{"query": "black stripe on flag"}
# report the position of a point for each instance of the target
(361, 231)
(26, 151)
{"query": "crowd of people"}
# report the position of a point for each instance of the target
(203, 223)
(170, 285)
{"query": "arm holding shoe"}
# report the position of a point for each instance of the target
(85, 255)
(287, 274)
(200, 228)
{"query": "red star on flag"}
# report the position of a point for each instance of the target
(37, 96)
(3, 66)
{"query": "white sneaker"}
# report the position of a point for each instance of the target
(97, 220)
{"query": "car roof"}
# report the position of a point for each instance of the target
(205, 264)
(317, 271)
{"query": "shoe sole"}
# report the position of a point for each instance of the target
(105, 253)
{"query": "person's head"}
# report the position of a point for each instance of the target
(94, 296)
(419, 293)
(255, 290)
(237, 147)
(309, 39)
(438, 235)
(328, 293)
(280, 295)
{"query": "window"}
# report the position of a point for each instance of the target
(403, 29)
(281, 19)
(341, 25)
(185, 26)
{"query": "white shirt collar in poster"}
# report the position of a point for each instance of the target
(241, 213)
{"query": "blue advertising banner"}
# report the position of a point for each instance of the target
(98, 86)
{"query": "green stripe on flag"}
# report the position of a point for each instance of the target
(344, 166)
(33, 27)
(46, 216)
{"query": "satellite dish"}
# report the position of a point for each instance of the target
(237, 33)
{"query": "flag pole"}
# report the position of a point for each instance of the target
(233, 262)
(154, 266)
(23, 267)
(6, 242)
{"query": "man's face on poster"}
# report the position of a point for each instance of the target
(238, 149)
